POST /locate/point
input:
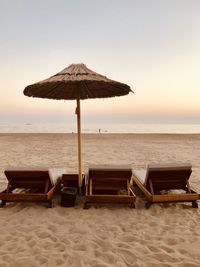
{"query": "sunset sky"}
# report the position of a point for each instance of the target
(152, 45)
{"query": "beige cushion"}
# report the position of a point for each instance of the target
(110, 167)
(169, 166)
(55, 174)
(10, 168)
(140, 174)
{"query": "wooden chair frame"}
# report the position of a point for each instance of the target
(37, 183)
(155, 183)
(102, 183)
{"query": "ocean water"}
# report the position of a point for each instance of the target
(96, 128)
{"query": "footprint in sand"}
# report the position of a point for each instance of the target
(60, 246)
(4, 264)
(53, 228)
(182, 251)
(32, 243)
(5, 258)
(99, 264)
(43, 234)
(75, 261)
(106, 257)
(124, 245)
(8, 238)
(24, 262)
(41, 260)
(28, 237)
(79, 247)
(171, 241)
(167, 249)
(189, 264)
(128, 238)
(53, 238)
(153, 249)
(127, 255)
(59, 262)
(164, 257)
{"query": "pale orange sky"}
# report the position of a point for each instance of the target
(153, 46)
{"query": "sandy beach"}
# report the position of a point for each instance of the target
(104, 235)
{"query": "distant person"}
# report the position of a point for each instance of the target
(99, 130)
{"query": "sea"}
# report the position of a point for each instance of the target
(99, 128)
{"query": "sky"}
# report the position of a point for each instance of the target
(151, 45)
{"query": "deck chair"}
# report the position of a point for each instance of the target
(159, 177)
(38, 184)
(103, 184)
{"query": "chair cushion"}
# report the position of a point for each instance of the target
(140, 174)
(110, 167)
(169, 166)
(55, 174)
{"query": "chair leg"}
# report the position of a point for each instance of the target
(148, 205)
(132, 205)
(50, 204)
(194, 204)
(85, 206)
(2, 204)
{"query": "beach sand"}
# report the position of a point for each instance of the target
(104, 235)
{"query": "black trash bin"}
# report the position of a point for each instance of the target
(68, 196)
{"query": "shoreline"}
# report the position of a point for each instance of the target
(96, 134)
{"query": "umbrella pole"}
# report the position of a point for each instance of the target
(78, 112)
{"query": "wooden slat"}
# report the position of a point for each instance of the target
(109, 199)
(46, 186)
(128, 187)
(12, 197)
(90, 191)
(151, 187)
(51, 192)
(175, 198)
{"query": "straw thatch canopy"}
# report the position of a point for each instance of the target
(76, 81)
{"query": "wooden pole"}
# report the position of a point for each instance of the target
(78, 113)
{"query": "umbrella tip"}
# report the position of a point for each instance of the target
(77, 64)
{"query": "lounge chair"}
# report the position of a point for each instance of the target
(103, 184)
(160, 177)
(39, 185)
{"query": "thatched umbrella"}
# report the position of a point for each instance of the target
(74, 83)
